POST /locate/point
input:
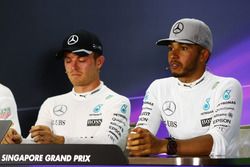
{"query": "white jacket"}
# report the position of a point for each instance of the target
(211, 105)
(97, 117)
(8, 108)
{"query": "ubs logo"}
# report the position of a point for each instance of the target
(60, 110)
(169, 108)
(172, 124)
(178, 27)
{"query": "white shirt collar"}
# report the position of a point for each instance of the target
(87, 94)
(194, 83)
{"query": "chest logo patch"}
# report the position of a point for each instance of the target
(226, 94)
(206, 105)
(168, 107)
(124, 108)
(5, 113)
(97, 108)
(59, 110)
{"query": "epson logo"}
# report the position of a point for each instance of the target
(206, 122)
(227, 121)
(94, 122)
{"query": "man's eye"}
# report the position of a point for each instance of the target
(170, 48)
(184, 48)
(67, 60)
(82, 60)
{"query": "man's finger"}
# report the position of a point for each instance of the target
(140, 130)
(39, 128)
(8, 140)
(133, 136)
(137, 147)
(38, 139)
(136, 142)
(36, 133)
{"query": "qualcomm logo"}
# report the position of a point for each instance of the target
(206, 105)
(97, 108)
(169, 108)
(226, 94)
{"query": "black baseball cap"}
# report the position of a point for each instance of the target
(81, 43)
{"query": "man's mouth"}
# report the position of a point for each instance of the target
(174, 64)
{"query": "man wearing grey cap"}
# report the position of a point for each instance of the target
(89, 114)
(200, 110)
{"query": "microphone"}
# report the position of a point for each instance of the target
(167, 68)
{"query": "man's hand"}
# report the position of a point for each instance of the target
(43, 135)
(12, 137)
(142, 142)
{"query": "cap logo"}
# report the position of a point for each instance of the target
(73, 39)
(178, 27)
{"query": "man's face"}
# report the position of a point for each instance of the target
(82, 71)
(184, 59)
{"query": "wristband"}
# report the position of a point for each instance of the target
(171, 146)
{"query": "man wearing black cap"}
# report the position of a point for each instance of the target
(91, 113)
(201, 111)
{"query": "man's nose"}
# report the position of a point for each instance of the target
(74, 65)
(174, 54)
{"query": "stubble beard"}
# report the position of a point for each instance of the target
(188, 70)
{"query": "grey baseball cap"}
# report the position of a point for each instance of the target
(190, 31)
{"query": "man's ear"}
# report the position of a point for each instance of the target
(100, 61)
(204, 56)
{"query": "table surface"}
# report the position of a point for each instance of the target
(97, 154)
(196, 161)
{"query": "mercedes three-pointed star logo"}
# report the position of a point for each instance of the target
(60, 110)
(168, 107)
(178, 27)
(73, 39)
